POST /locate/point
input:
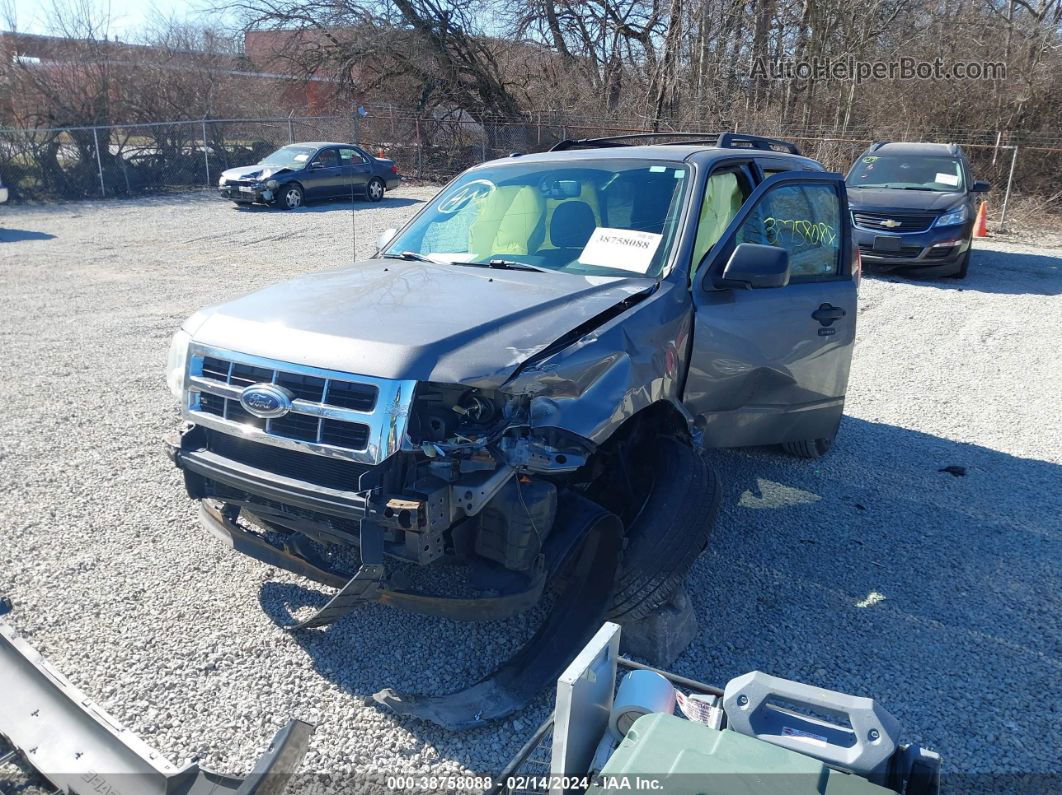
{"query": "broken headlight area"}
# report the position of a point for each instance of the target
(456, 416)
(488, 481)
(480, 429)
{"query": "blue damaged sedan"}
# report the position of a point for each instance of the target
(299, 173)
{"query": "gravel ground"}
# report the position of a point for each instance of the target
(871, 572)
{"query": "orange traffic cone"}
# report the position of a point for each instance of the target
(981, 222)
(380, 152)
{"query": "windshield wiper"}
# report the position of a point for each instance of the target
(409, 256)
(504, 264)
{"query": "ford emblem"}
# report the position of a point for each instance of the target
(267, 401)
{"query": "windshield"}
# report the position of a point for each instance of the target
(610, 217)
(289, 157)
(915, 172)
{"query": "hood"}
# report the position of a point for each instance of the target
(253, 172)
(412, 320)
(886, 199)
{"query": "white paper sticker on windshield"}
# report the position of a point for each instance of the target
(947, 179)
(444, 257)
(300, 158)
(626, 249)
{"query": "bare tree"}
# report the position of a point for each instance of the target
(430, 47)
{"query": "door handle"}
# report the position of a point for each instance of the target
(827, 313)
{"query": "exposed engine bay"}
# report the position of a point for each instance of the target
(480, 484)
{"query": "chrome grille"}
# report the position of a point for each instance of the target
(903, 222)
(334, 414)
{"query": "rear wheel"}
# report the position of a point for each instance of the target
(374, 191)
(290, 197)
(670, 529)
(811, 448)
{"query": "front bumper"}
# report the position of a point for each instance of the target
(71, 741)
(936, 248)
(245, 194)
(488, 607)
(388, 521)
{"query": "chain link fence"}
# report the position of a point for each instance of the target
(129, 160)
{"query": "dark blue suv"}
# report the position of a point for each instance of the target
(913, 207)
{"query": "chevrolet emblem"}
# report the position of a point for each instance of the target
(891, 224)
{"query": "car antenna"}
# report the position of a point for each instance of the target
(356, 111)
(353, 223)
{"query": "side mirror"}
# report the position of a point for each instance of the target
(317, 164)
(755, 266)
(980, 186)
(386, 236)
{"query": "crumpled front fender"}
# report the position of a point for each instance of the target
(632, 360)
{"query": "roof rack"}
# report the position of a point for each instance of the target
(954, 149)
(724, 140)
(621, 140)
(735, 140)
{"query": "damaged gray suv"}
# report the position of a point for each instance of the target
(519, 385)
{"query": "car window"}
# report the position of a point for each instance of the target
(349, 157)
(288, 157)
(327, 158)
(910, 172)
(805, 220)
(614, 217)
(724, 194)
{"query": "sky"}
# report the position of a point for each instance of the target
(127, 17)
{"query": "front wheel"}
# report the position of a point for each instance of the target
(374, 191)
(291, 197)
(964, 266)
(669, 531)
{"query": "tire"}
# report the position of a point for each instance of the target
(291, 196)
(810, 448)
(668, 533)
(964, 266)
(375, 190)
